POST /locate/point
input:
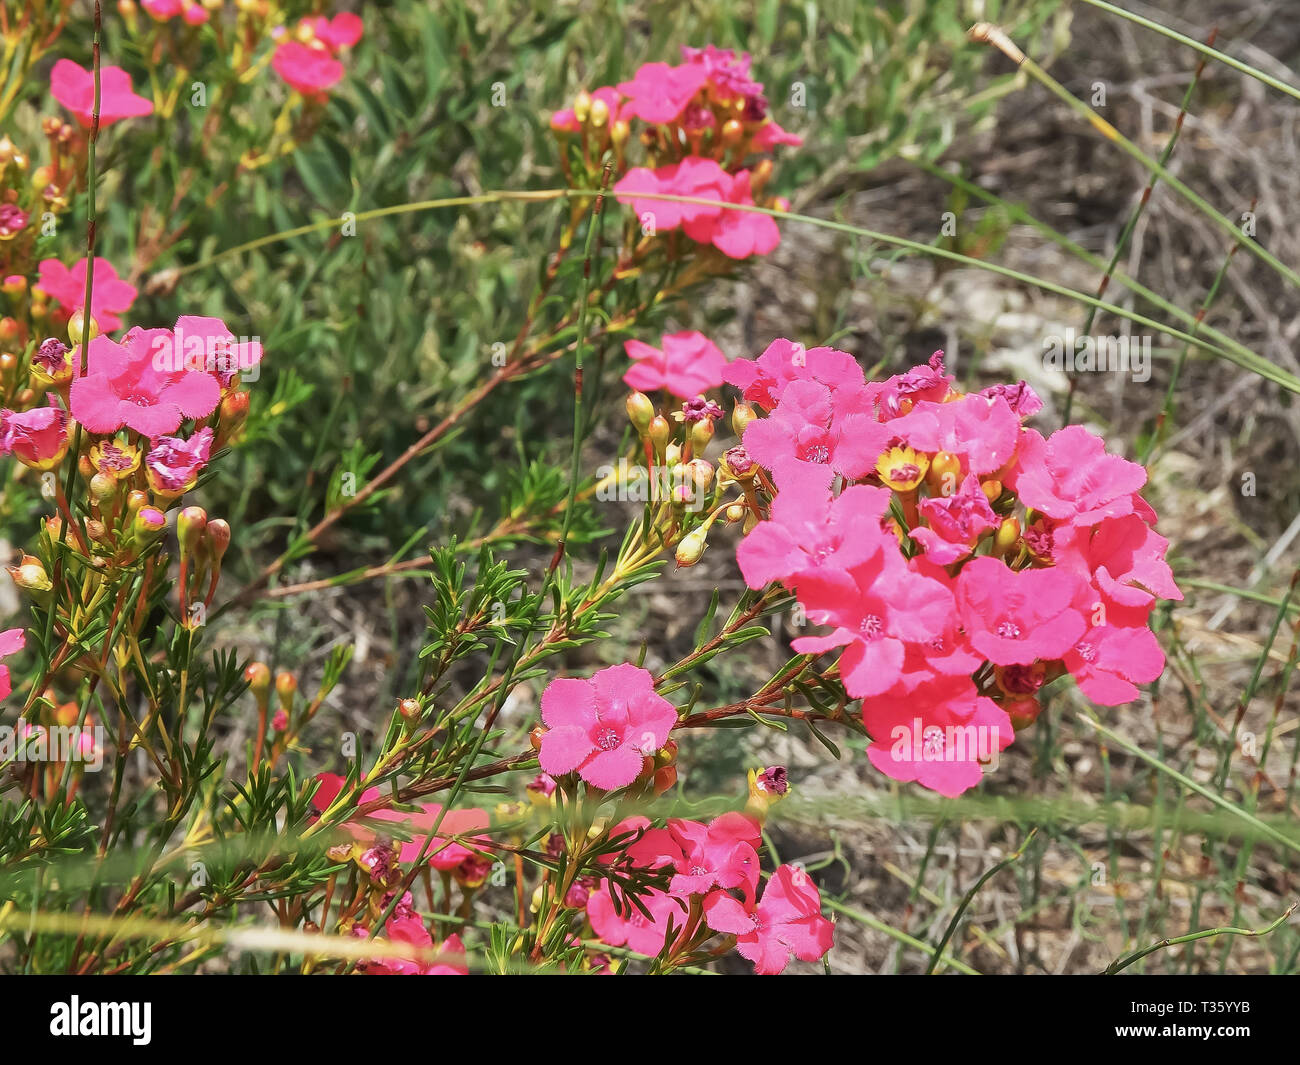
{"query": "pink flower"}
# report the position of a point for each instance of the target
(604, 728)
(727, 73)
(74, 88)
(442, 853)
(1017, 617)
(342, 31)
(1125, 561)
(786, 923)
(39, 437)
(722, 854)
(770, 134)
(1020, 398)
(815, 433)
(938, 736)
(12, 219)
(208, 344)
(11, 642)
(173, 465)
(956, 522)
(124, 388)
(624, 925)
(641, 846)
(165, 10)
(930, 382)
(311, 71)
(109, 297)
(764, 380)
(411, 931)
(659, 92)
(1070, 477)
(810, 533)
(1108, 662)
(687, 365)
(876, 608)
(702, 179)
(737, 234)
(980, 431)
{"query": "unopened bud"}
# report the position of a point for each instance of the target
(30, 576)
(640, 412)
(103, 488)
(218, 537)
(80, 323)
(148, 522)
(741, 417)
(582, 107)
(1007, 535)
(691, 548)
(701, 434)
(659, 431)
(258, 675)
(286, 686)
(190, 525)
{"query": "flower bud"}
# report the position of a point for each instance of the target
(944, 474)
(1023, 712)
(218, 538)
(732, 133)
(286, 686)
(741, 416)
(991, 490)
(148, 523)
(736, 512)
(700, 473)
(640, 412)
(234, 413)
(31, 577)
(701, 434)
(103, 488)
(80, 323)
(135, 500)
(1007, 536)
(258, 675)
(190, 526)
(691, 548)
(582, 107)
(658, 432)
(409, 709)
(599, 114)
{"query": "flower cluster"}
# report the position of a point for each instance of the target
(612, 731)
(961, 560)
(308, 60)
(703, 123)
(711, 886)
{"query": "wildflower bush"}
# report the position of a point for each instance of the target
(187, 458)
